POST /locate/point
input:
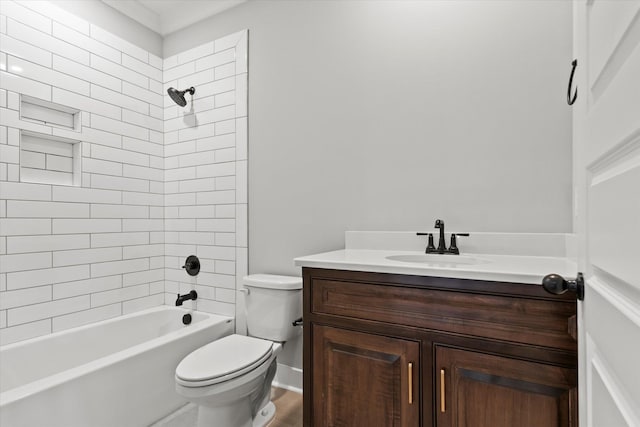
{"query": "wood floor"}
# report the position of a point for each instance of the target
(288, 408)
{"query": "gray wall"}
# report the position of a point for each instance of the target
(374, 115)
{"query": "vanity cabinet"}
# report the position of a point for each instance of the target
(476, 389)
(363, 379)
(398, 350)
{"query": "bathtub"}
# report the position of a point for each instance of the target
(115, 373)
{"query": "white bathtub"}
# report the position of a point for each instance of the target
(115, 373)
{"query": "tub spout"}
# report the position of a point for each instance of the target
(185, 297)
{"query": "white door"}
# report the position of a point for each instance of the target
(607, 208)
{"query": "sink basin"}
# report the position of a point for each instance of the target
(438, 260)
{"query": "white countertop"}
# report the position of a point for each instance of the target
(503, 268)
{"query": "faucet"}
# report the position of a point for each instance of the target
(442, 247)
(182, 298)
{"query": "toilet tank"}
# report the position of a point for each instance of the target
(272, 303)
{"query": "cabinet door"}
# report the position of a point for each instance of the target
(361, 379)
(479, 390)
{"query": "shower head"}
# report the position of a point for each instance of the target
(178, 95)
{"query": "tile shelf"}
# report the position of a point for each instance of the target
(48, 159)
(49, 113)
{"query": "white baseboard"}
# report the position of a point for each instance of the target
(289, 378)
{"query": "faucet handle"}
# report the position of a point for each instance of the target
(192, 265)
(453, 247)
(430, 247)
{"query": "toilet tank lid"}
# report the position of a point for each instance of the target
(272, 281)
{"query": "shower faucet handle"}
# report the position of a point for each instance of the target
(192, 265)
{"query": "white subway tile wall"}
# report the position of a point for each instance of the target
(159, 182)
(201, 174)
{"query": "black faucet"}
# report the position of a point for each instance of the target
(182, 298)
(442, 247)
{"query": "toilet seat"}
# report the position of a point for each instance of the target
(223, 360)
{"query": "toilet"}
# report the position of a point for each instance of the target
(230, 378)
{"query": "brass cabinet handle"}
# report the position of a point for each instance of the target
(442, 404)
(410, 375)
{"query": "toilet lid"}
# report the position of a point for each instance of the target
(223, 359)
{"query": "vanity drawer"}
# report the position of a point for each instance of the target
(537, 321)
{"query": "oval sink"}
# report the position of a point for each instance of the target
(438, 260)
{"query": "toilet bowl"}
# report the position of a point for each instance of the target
(230, 378)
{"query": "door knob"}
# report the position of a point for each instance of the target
(556, 284)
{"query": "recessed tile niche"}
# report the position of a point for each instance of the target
(48, 159)
(49, 113)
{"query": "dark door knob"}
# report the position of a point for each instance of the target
(556, 284)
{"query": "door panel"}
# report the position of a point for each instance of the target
(607, 209)
(613, 32)
(613, 95)
(364, 384)
(605, 410)
(614, 217)
(486, 390)
(612, 373)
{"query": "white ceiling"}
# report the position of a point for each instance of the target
(167, 16)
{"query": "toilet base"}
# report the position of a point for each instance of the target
(265, 415)
(232, 416)
(237, 414)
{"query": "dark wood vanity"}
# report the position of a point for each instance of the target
(385, 350)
